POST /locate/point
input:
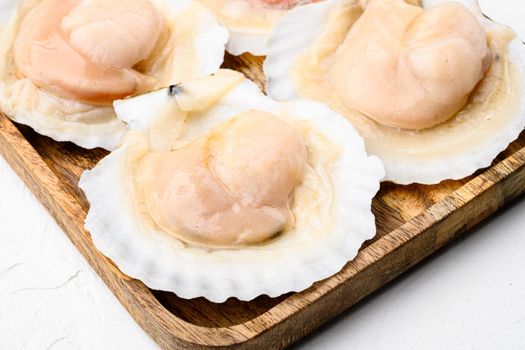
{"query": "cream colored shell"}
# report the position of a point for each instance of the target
(195, 48)
(332, 206)
(493, 118)
(250, 24)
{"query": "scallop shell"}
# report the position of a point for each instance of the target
(253, 43)
(291, 262)
(299, 28)
(247, 38)
(87, 125)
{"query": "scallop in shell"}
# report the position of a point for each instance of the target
(218, 191)
(64, 66)
(250, 22)
(436, 90)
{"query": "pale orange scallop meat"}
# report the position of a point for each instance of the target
(233, 187)
(85, 50)
(411, 68)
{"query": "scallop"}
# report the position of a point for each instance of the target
(435, 89)
(250, 22)
(218, 191)
(66, 61)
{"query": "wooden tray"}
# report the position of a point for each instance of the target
(413, 222)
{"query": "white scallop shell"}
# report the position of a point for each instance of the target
(239, 43)
(67, 120)
(300, 27)
(248, 38)
(289, 263)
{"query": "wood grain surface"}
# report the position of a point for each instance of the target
(413, 222)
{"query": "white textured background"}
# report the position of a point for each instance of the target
(470, 296)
